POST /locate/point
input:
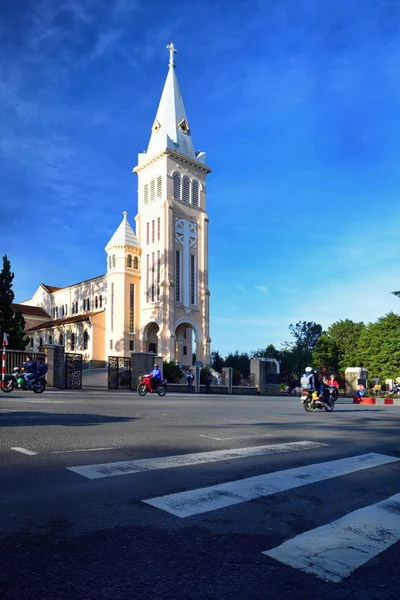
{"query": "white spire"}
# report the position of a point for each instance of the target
(124, 235)
(170, 128)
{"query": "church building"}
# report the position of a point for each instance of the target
(154, 296)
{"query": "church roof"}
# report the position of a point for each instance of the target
(170, 128)
(65, 321)
(27, 309)
(124, 235)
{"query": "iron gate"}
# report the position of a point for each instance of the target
(119, 373)
(73, 371)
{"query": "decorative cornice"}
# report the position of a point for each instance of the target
(175, 155)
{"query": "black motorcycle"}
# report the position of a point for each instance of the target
(17, 380)
(310, 402)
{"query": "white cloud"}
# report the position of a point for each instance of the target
(262, 288)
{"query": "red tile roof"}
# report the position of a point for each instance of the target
(27, 309)
(65, 321)
(51, 288)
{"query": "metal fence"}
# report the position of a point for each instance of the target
(16, 358)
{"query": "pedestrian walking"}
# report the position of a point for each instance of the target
(207, 381)
(190, 379)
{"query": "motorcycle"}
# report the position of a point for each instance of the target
(311, 403)
(145, 386)
(17, 380)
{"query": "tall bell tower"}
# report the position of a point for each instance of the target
(172, 227)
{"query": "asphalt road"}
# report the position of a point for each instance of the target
(109, 495)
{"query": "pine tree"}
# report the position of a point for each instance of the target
(11, 323)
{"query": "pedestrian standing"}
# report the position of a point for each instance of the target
(190, 379)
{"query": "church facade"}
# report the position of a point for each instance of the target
(154, 296)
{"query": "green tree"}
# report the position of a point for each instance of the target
(12, 323)
(216, 361)
(239, 361)
(346, 335)
(172, 372)
(306, 335)
(326, 354)
(269, 352)
(379, 347)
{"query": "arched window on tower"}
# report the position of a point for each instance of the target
(129, 261)
(113, 260)
(96, 302)
(177, 185)
(135, 262)
(146, 193)
(101, 301)
(195, 192)
(186, 189)
(109, 262)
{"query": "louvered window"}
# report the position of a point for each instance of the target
(152, 277)
(152, 190)
(112, 307)
(132, 308)
(177, 185)
(178, 276)
(186, 189)
(192, 279)
(135, 262)
(147, 277)
(195, 192)
(158, 275)
(159, 186)
(146, 194)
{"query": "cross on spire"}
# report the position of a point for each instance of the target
(172, 51)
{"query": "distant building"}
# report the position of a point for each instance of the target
(155, 291)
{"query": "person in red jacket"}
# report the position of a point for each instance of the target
(333, 383)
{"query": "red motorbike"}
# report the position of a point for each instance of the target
(145, 386)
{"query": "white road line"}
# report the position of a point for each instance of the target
(193, 502)
(183, 460)
(239, 437)
(334, 551)
(84, 450)
(24, 451)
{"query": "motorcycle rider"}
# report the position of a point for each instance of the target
(30, 370)
(42, 369)
(311, 381)
(333, 383)
(155, 378)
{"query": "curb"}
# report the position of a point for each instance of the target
(378, 401)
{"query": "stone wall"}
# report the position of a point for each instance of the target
(142, 363)
(55, 358)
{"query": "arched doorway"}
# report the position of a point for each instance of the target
(150, 338)
(188, 343)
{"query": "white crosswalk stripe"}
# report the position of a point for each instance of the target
(330, 552)
(194, 502)
(183, 460)
(334, 551)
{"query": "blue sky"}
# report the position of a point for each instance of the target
(297, 105)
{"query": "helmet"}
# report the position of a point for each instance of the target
(308, 369)
(29, 356)
(156, 366)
